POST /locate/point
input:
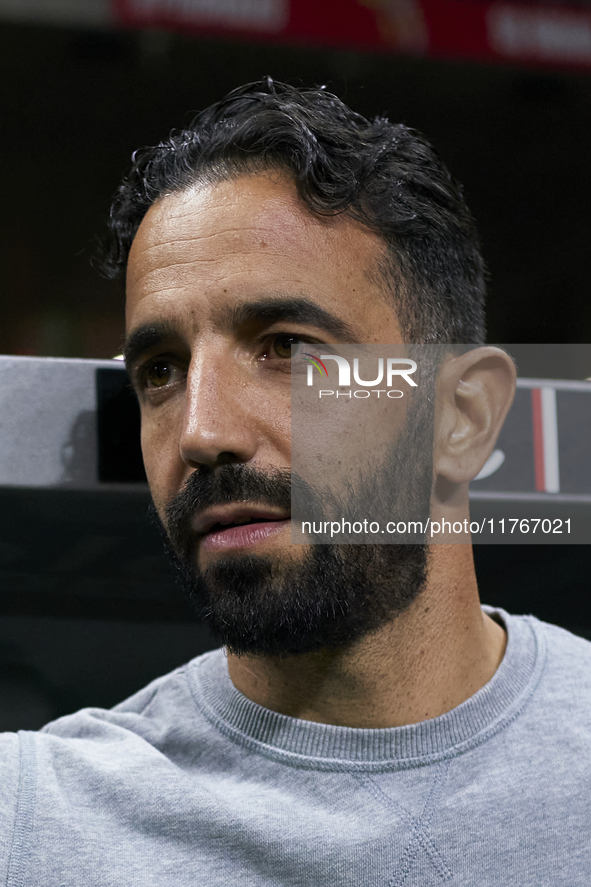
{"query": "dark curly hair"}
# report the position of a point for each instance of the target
(384, 175)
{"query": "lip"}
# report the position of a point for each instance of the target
(242, 535)
(238, 513)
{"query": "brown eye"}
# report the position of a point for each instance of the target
(282, 345)
(158, 374)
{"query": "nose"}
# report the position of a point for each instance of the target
(219, 423)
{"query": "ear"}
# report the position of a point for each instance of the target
(474, 394)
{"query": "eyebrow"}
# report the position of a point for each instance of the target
(294, 310)
(145, 337)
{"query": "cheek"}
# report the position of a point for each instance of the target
(273, 417)
(160, 449)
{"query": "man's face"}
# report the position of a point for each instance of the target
(222, 280)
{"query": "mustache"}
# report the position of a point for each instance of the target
(226, 484)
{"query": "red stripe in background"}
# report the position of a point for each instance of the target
(507, 31)
(536, 407)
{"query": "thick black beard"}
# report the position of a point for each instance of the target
(321, 595)
(331, 597)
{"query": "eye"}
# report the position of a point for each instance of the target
(281, 346)
(158, 374)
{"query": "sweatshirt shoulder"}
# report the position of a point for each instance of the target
(563, 648)
(16, 782)
(564, 692)
(563, 644)
(164, 704)
(10, 765)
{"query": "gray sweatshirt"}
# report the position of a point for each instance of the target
(190, 783)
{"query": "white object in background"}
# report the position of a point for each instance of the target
(492, 464)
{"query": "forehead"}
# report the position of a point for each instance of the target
(241, 239)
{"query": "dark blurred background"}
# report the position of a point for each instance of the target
(85, 83)
(76, 102)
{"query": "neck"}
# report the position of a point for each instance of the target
(428, 660)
